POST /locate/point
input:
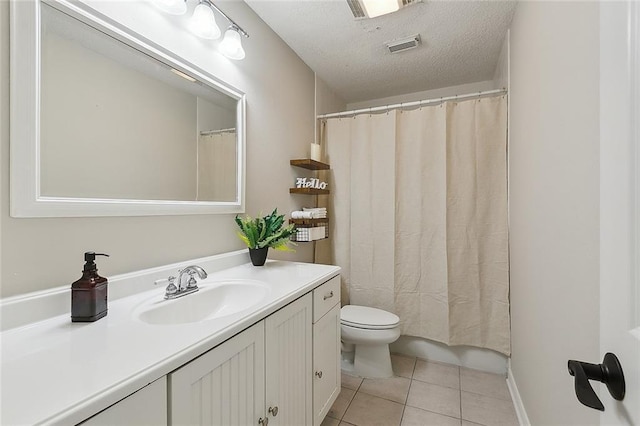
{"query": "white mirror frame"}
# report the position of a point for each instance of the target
(26, 200)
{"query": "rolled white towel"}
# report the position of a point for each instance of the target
(301, 215)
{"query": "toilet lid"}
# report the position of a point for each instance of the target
(365, 317)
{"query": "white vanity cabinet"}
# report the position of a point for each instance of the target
(326, 348)
(146, 407)
(252, 366)
(288, 342)
(262, 373)
(224, 386)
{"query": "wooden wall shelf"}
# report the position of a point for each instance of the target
(310, 224)
(308, 191)
(307, 163)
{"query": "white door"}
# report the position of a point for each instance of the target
(619, 202)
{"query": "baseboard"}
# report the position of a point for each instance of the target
(523, 419)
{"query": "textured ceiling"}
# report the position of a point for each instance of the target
(461, 42)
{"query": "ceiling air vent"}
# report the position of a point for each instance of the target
(403, 44)
(356, 9)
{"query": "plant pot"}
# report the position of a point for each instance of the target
(258, 256)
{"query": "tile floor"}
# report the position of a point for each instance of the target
(424, 393)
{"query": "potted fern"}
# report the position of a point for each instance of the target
(263, 232)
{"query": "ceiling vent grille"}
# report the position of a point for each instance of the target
(403, 44)
(358, 10)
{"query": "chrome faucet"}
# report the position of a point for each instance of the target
(174, 291)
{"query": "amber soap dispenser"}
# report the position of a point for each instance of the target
(89, 293)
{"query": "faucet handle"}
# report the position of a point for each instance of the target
(192, 281)
(171, 288)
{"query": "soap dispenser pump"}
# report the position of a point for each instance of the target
(89, 293)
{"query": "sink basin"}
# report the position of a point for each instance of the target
(214, 300)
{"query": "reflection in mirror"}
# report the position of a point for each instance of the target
(216, 168)
(118, 124)
(106, 123)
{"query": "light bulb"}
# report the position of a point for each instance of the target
(174, 7)
(203, 22)
(380, 7)
(231, 45)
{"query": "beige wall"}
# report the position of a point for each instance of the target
(43, 253)
(501, 73)
(92, 142)
(326, 99)
(554, 203)
(214, 117)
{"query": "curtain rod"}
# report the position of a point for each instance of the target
(216, 132)
(412, 104)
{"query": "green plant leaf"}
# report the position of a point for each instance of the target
(267, 231)
(262, 226)
(283, 245)
(244, 238)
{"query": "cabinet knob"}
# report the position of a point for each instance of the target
(263, 422)
(273, 411)
(328, 296)
(319, 374)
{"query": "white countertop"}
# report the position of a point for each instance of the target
(56, 371)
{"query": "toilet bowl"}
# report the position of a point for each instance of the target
(369, 331)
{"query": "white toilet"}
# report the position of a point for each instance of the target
(368, 332)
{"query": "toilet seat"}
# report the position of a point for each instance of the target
(367, 318)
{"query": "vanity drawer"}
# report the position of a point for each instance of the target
(325, 297)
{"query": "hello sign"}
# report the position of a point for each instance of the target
(303, 182)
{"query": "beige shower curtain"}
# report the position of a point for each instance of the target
(422, 229)
(217, 164)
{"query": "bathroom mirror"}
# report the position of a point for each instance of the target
(105, 123)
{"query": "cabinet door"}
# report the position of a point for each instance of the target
(224, 386)
(288, 364)
(148, 406)
(326, 363)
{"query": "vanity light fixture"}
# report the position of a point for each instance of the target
(231, 45)
(203, 24)
(173, 7)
